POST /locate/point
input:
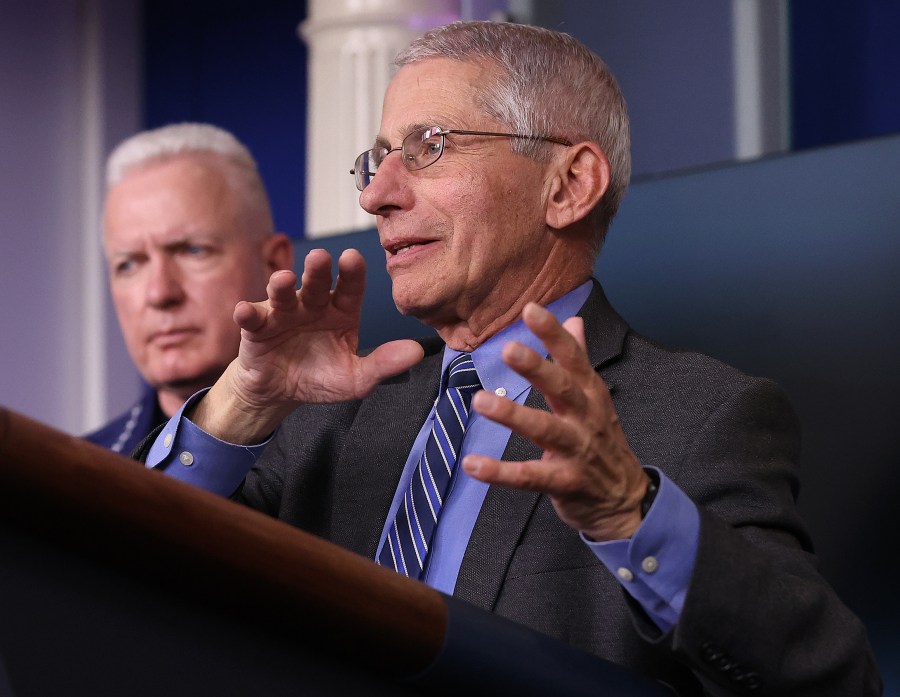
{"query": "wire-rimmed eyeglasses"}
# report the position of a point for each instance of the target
(422, 148)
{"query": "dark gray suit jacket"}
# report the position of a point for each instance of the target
(758, 618)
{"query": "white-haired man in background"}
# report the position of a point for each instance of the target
(187, 233)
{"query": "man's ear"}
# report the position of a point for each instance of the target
(577, 185)
(278, 253)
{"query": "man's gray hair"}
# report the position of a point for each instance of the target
(181, 139)
(550, 84)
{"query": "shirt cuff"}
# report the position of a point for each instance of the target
(656, 564)
(185, 452)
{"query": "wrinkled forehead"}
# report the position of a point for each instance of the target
(171, 199)
(436, 92)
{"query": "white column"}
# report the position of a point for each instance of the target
(110, 89)
(92, 291)
(352, 44)
(761, 77)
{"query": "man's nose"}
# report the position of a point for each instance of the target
(165, 285)
(388, 187)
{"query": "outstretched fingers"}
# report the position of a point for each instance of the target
(564, 342)
(281, 290)
(281, 296)
(587, 467)
(351, 282)
(568, 380)
(545, 429)
(530, 475)
(315, 283)
(576, 395)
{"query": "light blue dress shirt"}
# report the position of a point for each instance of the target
(654, 566)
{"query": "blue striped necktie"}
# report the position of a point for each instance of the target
(409, 538)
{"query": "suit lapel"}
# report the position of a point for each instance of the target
(604, 329)
(387, 423)
(505, 513)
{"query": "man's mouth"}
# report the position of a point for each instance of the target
(400, 248)
(397, 251)
(172, 336)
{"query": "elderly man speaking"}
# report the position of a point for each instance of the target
(540, 460)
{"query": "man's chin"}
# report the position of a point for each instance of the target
(414, 307)
(187, 383)
(431, 315)
(415, 298)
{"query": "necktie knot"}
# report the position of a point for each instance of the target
(461, 373)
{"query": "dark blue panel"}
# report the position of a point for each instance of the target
(673, 62)
(845, 70)
(241, 66)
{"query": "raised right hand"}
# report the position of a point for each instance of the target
(299, 346)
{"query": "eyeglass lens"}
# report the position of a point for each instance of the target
(418, 150)
(422, 147)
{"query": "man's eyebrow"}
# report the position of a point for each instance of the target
(192, 237)
(382, 142)
(188, 239)
(177, 242)
(122, 252)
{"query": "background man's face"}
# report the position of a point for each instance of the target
(180, 257)
(469, 231)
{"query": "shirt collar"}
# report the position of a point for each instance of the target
(494, 373)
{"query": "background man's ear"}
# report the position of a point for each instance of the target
(578, 185)
(278, 252)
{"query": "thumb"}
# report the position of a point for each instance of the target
(388, 360)
(575, 327)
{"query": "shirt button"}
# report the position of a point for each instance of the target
(500, 392)
(650, 564)
(167, 441)
(186, 459)
(625, 574)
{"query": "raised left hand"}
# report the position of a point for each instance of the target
(588, 469)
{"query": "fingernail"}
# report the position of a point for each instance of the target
(483, 402)
(516, 352)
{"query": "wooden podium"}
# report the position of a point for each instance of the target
(115, 580)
